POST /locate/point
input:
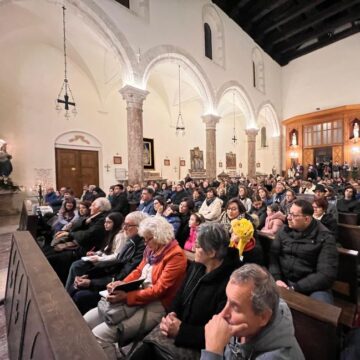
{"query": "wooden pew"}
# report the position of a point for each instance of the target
(349, 236)
(315, 325)
(28, 221)
(42, 321)
(349, 218)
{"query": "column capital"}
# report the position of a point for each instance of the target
(251, 133)
(133, 96)
(211, 121)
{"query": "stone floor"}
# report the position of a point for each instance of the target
(8, 224)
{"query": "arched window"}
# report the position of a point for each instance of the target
(125, 3)
(208, 41)
(263, 137)
(258, 70)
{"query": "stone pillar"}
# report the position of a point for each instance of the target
(134, 102)
(211, 121)
(276, 153)
(251, 134)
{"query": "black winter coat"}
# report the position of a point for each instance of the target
(200, 297)
(307, 260)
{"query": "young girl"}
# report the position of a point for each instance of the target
(195, 220)
(274, 221)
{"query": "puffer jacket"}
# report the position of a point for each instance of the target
(273, 223)
(307, 260)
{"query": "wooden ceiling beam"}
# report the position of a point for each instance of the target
(285, 17)
(297, 40)
(297, 27)
(285, 59)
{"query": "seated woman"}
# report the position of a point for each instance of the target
(320, 206)
(163, 267)
(195, 221)
(211, 207)
(85, 289)
(84, 212)
(258, 209)
(264, 195)
(275, 219)
(186, 208)
(88, 236)
(287, 202)
(235, 210)
(168, 211)
(67, 214)
(244, 198)
(112, 224)
(181, 334)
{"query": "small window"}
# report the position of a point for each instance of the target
(208, 41)
(254, 74)
(125, 3)
(263, 137)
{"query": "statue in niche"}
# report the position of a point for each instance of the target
(197, 159)
(293, 139)
(356, 131)
(5, 163)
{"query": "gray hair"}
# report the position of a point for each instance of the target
(264, 295)
(158, 228)
(213, 237)
(137, 217)
(103, 204)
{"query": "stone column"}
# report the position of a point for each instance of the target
(276, 153)
(251, 134)
(134, 102)
(211, 121)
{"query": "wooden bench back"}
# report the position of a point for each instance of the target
(42, 321)
(349, 218)
(28, 221)
(315, 325)
(349, 236)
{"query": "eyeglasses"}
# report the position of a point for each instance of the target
(125, 226)
(294, 215)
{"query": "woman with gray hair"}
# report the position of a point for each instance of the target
(125, 315)
(180, 334)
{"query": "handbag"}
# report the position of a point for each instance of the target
(69, 245)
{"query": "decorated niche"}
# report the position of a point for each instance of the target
(355, 130)
(294, 138)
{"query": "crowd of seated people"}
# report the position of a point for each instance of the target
(171, 310)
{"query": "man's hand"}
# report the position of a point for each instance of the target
(116, 297)
(81, 282)
(218, 333)
(281, 284)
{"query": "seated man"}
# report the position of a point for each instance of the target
(147, 201)
(349, 204)
(303, 256)
(254, 323)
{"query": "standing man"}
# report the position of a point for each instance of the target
(303, 256)
(254, 323)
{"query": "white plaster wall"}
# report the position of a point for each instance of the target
(326, 78)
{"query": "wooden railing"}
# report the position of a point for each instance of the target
(42, 321)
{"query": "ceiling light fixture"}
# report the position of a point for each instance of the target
(180, 127)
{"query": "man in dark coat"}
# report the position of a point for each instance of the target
(303, 256)
(119, 201)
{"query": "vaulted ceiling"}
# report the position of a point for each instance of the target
(288, 29)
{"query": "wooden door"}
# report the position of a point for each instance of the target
(74, 168)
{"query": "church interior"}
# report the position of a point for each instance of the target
(135, 91)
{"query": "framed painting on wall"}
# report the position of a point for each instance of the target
(148, 154)
(182, 162)
(166, 162)
(117, 160)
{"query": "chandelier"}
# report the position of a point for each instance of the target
(234, 138)
(180, 127)
(65, 95)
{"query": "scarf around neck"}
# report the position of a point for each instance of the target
(152, 257)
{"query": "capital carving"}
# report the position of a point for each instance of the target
(211, 121)
(251, 134)
(134, 96)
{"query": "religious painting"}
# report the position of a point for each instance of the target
(117, 160)
(166, 162)
(257, 165)
(220, 164)
(354, 130)
(182, 162)
(197, 159)
(148, 154)
(231, 160)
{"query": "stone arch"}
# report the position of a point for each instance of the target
(267, 110)
(242, 99)
(107, 29)
(168, 53)
(258, 70)
(212, 18)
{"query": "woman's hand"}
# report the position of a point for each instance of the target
(94, 258)
(90, 253)
(116, 297)
(111, 286)
(170, 325)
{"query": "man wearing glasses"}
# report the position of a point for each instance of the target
(303, 256)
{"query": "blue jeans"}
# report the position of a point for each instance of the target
(324, 296)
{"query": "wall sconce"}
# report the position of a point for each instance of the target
(294, 155)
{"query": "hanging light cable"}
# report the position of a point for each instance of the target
(234, 138)
(65, 91)
(180, 127)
